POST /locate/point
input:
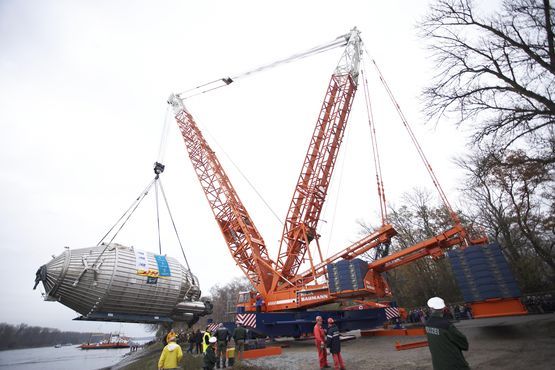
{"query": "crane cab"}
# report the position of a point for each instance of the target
(246, 301)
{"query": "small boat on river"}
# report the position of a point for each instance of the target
(113, 341)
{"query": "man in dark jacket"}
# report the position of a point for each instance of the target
(239, 336)
(258, 303)
(222, 335)
(444, 340)
(334, 344)
(191, 341)
(209, 357)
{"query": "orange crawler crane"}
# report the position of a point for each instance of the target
(286, 291)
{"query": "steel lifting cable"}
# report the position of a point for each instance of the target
(375, 151)
(133, 206)
(163, 137)
(435, 181)
(340, 41)
(128, 212)
(158, 169)
(173, 224)
(156, 181)
(204, 129)
(224, 81)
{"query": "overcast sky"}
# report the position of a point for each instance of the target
(83, 89)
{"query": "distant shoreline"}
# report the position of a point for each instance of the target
(28, 347)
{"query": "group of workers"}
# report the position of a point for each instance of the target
(445, 342)
(214, 348)
(452, 312)
(329, 339)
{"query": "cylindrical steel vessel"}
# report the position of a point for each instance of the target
(118, 283)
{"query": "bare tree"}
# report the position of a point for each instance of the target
(224, 299)
(419, 217)
(496, 73)
(513, 199)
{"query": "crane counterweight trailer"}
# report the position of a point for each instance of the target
(299, 323)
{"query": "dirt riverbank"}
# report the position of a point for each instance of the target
(523, 342)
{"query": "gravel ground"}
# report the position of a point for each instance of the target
(522, 342)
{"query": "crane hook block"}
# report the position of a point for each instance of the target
(158, 168)
(227, 80)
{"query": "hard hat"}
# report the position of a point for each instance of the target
(212, 340)
(436, 303)
(330, 321)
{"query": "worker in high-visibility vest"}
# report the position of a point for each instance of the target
(206, 339)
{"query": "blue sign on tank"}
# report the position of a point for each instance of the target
(163, 267)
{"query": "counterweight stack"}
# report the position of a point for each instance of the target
(118, 283)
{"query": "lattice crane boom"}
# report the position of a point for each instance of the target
(245, 243)
(312, 186)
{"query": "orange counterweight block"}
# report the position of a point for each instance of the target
(498, 307)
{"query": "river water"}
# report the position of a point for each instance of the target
(64, 358)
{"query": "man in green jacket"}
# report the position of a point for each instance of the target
(446, 343)
(239, 336)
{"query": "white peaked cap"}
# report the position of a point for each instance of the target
(436, 303)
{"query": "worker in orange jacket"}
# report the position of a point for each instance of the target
(320, 341)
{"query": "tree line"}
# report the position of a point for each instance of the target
(25, 336)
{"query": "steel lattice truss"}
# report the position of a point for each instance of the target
(243, 239)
